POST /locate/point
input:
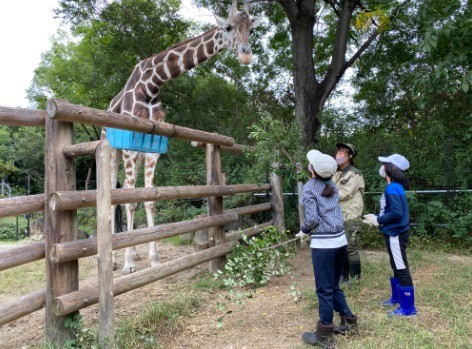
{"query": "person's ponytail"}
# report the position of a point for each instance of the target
(328, 190)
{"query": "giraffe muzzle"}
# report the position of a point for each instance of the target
(245, 58)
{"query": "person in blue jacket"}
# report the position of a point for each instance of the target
(394, 222)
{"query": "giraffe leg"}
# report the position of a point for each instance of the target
(149, 168)
(131, 163)
(115, 155)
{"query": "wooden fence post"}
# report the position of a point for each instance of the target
(60, 226)
(278, 216)
(106, 332)
(214, 176)
(301, 211)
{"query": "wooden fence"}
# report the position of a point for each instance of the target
(61, 250)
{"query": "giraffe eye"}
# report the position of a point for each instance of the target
(228, 28)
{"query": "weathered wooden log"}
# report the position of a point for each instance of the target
(214, 176)
(238, 235)
(68, 200)
(250, 209)
(233, 235)
(22, 117)
(22, 306)
(87, 296)
(235, 148)
(21, 205)
(73, 250)
(15, 256)
(106, 329)
(59, 227)
(278, 216)
(62, 110)
(81, 149)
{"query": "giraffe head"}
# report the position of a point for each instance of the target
(237, 29)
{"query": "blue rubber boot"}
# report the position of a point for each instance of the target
(393, 300)
(407, 302)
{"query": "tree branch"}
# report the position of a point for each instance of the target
(373, 36)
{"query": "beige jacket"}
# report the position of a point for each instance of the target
(350, 183)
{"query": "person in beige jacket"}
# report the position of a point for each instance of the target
(350, 183)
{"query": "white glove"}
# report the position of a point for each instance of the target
(302, 236)
(371, 219)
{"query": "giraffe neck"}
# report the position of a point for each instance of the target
(140, 96)
(182, 57)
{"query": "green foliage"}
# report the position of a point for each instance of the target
(276, 143)
(441, 218)
(295, 293)
(84, 337)
(92, 66)
(8, 228)
(254, 262)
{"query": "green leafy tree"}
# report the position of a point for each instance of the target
(324, 43)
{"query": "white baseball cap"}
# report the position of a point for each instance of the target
(324, 165)
(396, 159)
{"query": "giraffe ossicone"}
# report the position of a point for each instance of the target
(140, 98)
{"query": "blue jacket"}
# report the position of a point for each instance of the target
(394, 217)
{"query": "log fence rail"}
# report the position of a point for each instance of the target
(61, 250)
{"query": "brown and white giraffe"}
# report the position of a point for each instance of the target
(140, 98)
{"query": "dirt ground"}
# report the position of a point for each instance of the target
(270, 319)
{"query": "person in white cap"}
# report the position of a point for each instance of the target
(325, 225)
(394, 222)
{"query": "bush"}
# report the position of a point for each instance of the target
(255, 261)
(8, 229)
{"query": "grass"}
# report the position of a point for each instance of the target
(156, 320)
(443, 292)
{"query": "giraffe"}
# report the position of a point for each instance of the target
(140, 98)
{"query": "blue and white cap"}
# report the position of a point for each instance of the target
(396, 159)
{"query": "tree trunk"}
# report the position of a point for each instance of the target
(310, 94)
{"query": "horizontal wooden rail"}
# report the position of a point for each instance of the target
(238, 234)
(21, 205)
(64, 111)
(71, 200)
(81, 149)
(15, 256)
(250, 209)
(233, 235)
(87, 296)
(22, 306)
(22, 117)
(235, 148)
(72, 250)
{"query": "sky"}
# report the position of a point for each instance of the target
(26, 27)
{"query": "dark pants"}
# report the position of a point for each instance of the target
(328, 265)
(396, 247)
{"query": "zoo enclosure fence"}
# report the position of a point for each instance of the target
(60, 203)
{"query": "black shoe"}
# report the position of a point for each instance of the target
(348, 325)
(355, 270)
(323, 336)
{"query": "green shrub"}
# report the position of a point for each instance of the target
(8, 229)
(255, 261)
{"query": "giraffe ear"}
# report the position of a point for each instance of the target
(222, 23)
(256, 21)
